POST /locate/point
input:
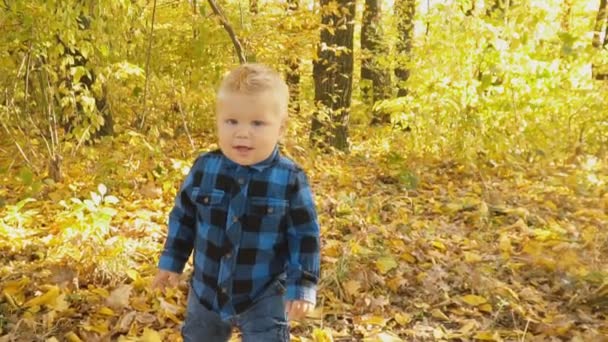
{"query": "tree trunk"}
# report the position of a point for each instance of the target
(253, 6)
(375, 81)
(495, 7)
(293, 69)
(600, 23)
(404, 11)
(469, 8)
(333, 76)
(566, 13)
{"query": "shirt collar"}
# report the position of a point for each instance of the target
(274, 156)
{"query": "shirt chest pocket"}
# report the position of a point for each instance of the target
(210, 207)
(266, 215)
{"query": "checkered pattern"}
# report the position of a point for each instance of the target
(247, 226)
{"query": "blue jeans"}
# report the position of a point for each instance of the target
(265, 320)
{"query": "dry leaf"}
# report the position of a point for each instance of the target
(119, 298)
(385, 264)
(473, 300)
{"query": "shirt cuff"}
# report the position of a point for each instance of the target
(171, 264)
(306, 292)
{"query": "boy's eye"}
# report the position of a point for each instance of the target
(258, 123)
(231, 121)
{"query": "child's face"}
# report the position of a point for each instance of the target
(248, 126)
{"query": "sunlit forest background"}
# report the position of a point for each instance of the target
(458, 152)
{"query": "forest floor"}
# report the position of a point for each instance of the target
(412, 250)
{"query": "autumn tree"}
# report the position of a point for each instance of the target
(333, 75)
(598, 42)
(375, 81)
(404, 11)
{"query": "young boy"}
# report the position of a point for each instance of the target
(248, 214)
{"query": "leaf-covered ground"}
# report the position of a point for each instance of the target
(412, 249)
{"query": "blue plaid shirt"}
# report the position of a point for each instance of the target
(247, 226)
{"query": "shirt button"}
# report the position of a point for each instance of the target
(235, 219)
(228, 255)
(241, 181)
(270, 210)
(223, 289)
(206, 200)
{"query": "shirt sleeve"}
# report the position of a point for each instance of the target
(303, 242)
(182, 224)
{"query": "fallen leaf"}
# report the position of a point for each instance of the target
(385, 264)
(403, 318)
(72, 337)
(49, 297)
(322, 335)
(150, 336)
(473, 300)
(352, 287)
(119, 298)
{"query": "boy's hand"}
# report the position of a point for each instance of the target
(298, 309)
(164, 278)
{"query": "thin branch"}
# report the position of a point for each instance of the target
(235, 41)
(29, 163)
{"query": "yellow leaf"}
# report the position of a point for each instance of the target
(100, 327)
(395, 283)
(487, 336)
(48, 297)
(487, 307)
(140, 304)
(352, 287)
(106, 311)
(101, 292)
(15, 286)
(373, 320)
(322, 335)
(385, 264)
(60, 304)
(439, 245)
(471, 257)
(439, 315)
(150, 336)
(72, 337)
(473, 300)
(403, 318)
(505, 244)
(408, 257)
(133, 274)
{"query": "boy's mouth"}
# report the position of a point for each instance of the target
(242, 148)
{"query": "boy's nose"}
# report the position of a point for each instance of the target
(242, 132)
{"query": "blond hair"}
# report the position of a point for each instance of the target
(255, 79)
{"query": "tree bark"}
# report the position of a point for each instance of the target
(600, 21)
(333, 76)
(375, 81)
(404, 11)
(253, 6)
(293, 69)
(566, 13)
